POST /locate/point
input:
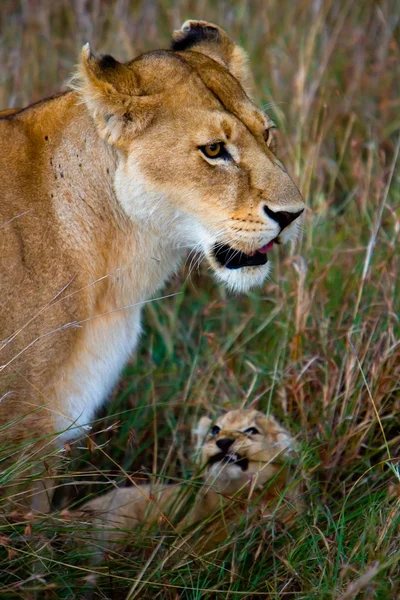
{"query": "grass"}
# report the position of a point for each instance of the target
(318, 346)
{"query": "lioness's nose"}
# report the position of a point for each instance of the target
(224, 443)
(282, 217)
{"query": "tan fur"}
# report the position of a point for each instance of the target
(104, 189)
(227, 493)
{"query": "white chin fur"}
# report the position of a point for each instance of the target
(244, 279)
(224, 473)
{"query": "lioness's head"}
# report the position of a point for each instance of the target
(196, 161)
(241, 448)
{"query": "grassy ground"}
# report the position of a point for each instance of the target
(319, 346)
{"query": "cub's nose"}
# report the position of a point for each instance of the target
(224, 444)
(282, 217)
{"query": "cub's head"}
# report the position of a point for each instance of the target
(196, 162)
(242, 447)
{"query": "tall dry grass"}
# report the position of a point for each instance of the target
(319, 346)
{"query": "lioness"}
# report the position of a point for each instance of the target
(104, 189)
(245, 461)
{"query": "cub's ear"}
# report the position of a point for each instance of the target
(211, 40)
(112, 94)
(200, 432)
(275, 433)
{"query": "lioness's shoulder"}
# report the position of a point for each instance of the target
(31, 109)
(8, 112)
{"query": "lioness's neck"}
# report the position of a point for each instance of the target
(93, 223)
(100, 263)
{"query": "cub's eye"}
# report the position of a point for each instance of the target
(215, 430)
(252, 431)
(215, 150)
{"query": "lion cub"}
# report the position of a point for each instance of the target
(245, 465)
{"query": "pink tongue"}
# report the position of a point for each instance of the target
(266, 248)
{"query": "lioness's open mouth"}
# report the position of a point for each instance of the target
(241, 461)
(228, 257)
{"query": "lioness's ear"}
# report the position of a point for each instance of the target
(112, 94)
(211, 40)
(200, 432)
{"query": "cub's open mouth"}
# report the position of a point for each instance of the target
(240, 461)
(228, 257)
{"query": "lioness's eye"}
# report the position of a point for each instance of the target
(215, 430)
(215, 150)
(252, 431)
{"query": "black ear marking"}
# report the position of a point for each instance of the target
(108, 62)
(195, 35)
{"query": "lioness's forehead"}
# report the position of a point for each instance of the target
(192, 79)
(238, 419)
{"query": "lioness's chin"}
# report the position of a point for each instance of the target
(243, 279)
(238, 271)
